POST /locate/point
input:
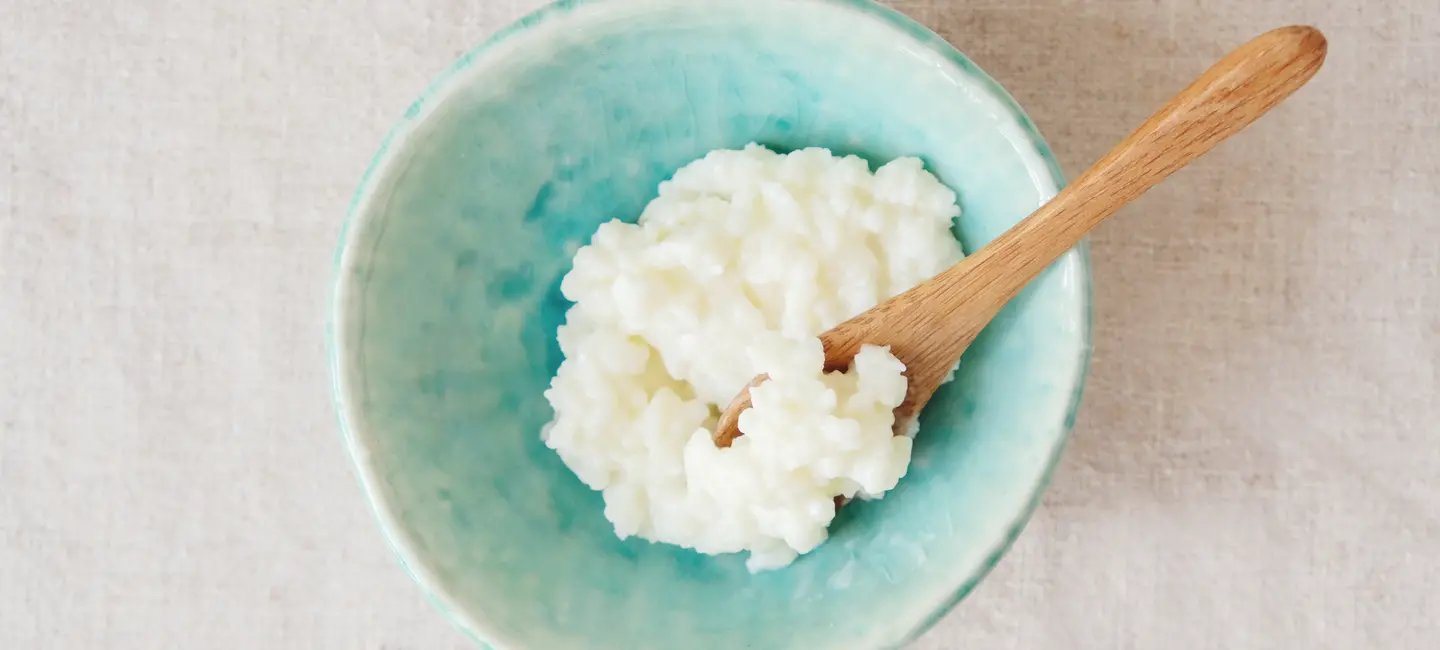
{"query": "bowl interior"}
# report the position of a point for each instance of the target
(447, 303)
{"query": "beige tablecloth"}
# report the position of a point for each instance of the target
(1257, 464)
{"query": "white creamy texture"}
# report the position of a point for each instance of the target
(742, 260)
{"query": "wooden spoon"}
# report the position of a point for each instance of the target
(929, 326)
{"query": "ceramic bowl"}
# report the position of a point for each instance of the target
(446, 305)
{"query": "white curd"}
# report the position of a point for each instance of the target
(731, 272)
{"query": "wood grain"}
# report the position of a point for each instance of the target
(931, 325)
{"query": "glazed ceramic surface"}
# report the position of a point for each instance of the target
(446, 305)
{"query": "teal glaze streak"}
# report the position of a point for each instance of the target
(446, 303)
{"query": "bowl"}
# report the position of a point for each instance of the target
(446, 303)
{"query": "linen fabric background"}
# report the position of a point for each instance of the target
(1256, 464)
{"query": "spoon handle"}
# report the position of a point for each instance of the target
(929, 326)
(1234, 92)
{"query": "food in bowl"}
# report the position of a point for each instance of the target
(447, 301)
(733, 271)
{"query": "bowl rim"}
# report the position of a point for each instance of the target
(400, 540)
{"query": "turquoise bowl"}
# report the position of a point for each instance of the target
(442, 333)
